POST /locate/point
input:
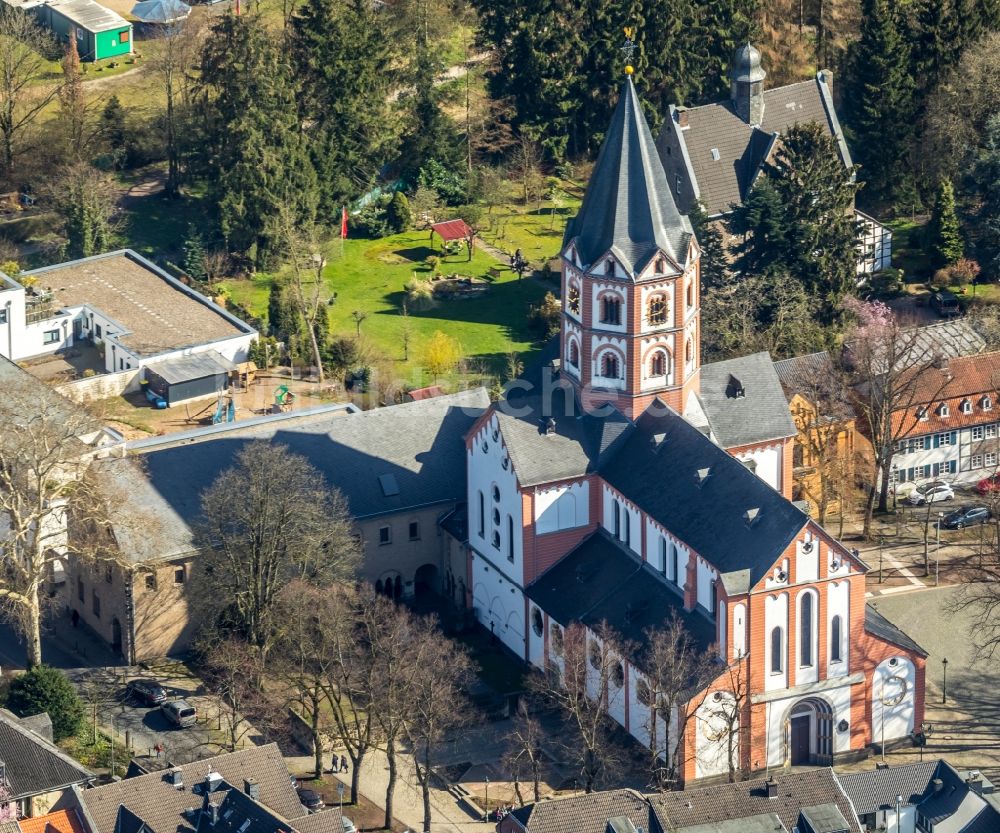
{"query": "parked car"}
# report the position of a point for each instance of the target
(906, 488)
(310, 799)
(966, 516)
(989, 484)
(145, 692)
(946, 303)
(931, 493)
(348, 825)
(180, 713)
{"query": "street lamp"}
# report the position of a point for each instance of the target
(487, 779)
(944, 681)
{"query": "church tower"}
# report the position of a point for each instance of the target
(630, 309)
(746, 85)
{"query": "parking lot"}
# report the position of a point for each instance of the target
(144, 728)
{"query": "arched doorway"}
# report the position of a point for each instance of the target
(810, 733)
(425, 581)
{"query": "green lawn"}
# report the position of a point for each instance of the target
(907, 249)
(370, 276)
(536, 231)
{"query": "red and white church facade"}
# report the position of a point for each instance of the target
(607, 494)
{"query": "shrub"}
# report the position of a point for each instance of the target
(419, 295)
(433, 262)
(451, 186)
(45, 689)
(371, 221)
(544, 319)
(89, 373)
(397, 213)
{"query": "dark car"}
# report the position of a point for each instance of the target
(966, 516)
(310, 799)
(145, 692)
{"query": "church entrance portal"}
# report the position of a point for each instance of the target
(810, 733)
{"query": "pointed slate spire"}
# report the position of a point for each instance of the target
(628, 207)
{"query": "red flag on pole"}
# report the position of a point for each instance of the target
(343, 224)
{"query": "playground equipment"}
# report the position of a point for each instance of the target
(283, 399)
(225, 410)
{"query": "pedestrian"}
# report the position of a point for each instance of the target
(158, 749)
(343, 763)
(334, 766)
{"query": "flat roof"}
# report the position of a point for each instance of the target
(189, 368)
(157, 313)
(90, 15)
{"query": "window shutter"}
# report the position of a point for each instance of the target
(937, 440)
(954, 437)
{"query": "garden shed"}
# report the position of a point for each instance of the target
(100, 33)
(189, 377)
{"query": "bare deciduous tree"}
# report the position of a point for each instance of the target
(266, 521)
(525, 749)
(53, 502)
(727, 714)
(675, 671)
(23, 68)
(584, 683)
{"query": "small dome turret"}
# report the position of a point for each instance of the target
(746, 77)
(746, 66)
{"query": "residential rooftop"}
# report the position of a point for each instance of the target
(90, 15)
(155, 312)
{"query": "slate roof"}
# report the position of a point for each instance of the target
(744, 401)
(657, 468)
(628, 207)
(792, 372)
(725, 176)
(873, 789)
(33, 764)
(956, 808)
(878, 625)
(745, 799)
(420, 444)
(600, 581)
(580, 443)
(160, 805)
(583, 813)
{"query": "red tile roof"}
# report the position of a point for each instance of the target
(61, 821)
(452, 230)
(965, 377)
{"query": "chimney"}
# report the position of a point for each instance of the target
(937, 784)
(682, 119)
(251, 788)
(941, 362)
(975, 782)
(550, 427)
(772, 787)
(826, 76)
(213, 814)
(176, 777)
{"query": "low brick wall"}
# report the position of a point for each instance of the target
(102, 386)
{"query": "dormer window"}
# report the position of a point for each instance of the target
(943, 410)
(986, 403)
(922, 413)
(661, 265)
(966, 406)
(609, 267)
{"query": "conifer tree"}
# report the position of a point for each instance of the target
(944, 237)
(257, 160)
(985, 180)
(882, 104)
(194, 255)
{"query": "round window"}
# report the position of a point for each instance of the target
(536, 621)
(618, 675)
(486, 446)
(496, 435)
(594, 654)
(496, 517)
(496, 539)
(496, 494)
(643, 693)
(505, 463)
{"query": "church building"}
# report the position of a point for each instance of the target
(631, 484)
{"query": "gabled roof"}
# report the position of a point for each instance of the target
(744, 401)
(628, 207)
(61, 821)
(720, 802)
(657, 467)
(583, 813)
(599, 581)
(34, 765)
(878, 625)
(726, 153)
(160, 807)
(874, 789)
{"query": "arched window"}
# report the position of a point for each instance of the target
(482, 516)
(618, 674)
(835, 626)
(806, 629)
(556, 639)
(536, 621)
(642, 693)
(777, 650)
(510, 539)
(690, 294)
(657, 312)
(658, 364)
(573, 299)
(616, 514)
(663, 555)
(574, 354)
(609, 366)
(611, 310)
(674, 564)
(628, 529)
(688, 352)
(609, 267)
